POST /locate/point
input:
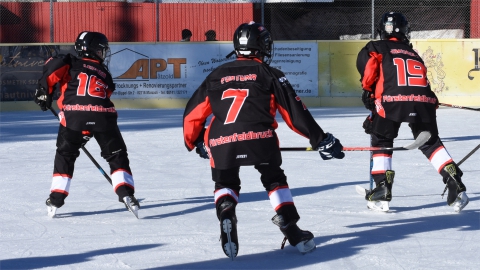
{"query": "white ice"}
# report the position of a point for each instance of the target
(178, 228)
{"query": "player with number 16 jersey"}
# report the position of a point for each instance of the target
(85, 89)
(85, 86)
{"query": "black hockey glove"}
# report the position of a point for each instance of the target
(202, 150)
(368, 124)
(368, 100)
(42, 98)
(330, 148)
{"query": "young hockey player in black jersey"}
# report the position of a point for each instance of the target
(396, 90)
(85, 86)
(244, 96)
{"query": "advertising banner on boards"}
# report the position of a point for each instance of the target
(175, 70)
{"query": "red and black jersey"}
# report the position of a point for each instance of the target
(244, 96)
(397, 76)
(85, 87)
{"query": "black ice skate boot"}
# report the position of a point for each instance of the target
(302, 240)
(457, 197)
(228, 228)
(54, 201)
(379, 197)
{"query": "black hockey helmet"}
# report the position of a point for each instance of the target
(253, 40)
(394, 24)
(92, 45)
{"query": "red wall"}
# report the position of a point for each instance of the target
(120, 21)
(199, 18)
(31, 22)
(475, 19)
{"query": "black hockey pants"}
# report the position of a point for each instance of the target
(113, 150)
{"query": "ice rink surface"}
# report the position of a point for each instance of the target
(178, 228)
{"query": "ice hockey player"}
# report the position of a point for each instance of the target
(396, 89)
(85, 86)
(244, 96)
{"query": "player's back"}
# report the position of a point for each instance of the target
(247, 83)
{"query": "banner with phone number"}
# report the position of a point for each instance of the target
(175, 70)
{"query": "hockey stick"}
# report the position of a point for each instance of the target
(468, 155)
(88, 154)
(422, 138)
(459, 107)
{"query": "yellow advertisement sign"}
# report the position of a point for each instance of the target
(453, 69)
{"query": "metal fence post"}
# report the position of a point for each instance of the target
(373, 19)
(262, 11)
(51, 21)
(157, 26)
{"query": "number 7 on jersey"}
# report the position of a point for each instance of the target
(239, 96)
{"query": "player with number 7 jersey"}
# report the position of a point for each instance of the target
(244, 96)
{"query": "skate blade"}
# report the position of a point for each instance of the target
(51, 211)
(378, 206)
(130, 207)
(230, 248)
(306, 246)
(461, 202)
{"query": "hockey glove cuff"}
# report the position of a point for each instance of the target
(202, 150)
(330, 148)
(368, 100)
(43, 99)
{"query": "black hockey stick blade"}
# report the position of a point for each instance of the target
(422, 138)
(459, 107)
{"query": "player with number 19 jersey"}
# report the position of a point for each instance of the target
(85, 89)
(402, 91)
(244, 96)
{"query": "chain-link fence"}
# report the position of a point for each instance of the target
(37, 21)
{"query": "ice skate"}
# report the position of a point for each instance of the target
(131, 204)
(461, 201)
(302, 240)
(457, 197)
(51, 209)
(380, 197)
(228, 228)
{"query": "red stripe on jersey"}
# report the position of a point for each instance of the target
(288, 120)
(193, 123)
(273, 110)
(379, 91)
(56, 76)
(370, 74)
(242, 58)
